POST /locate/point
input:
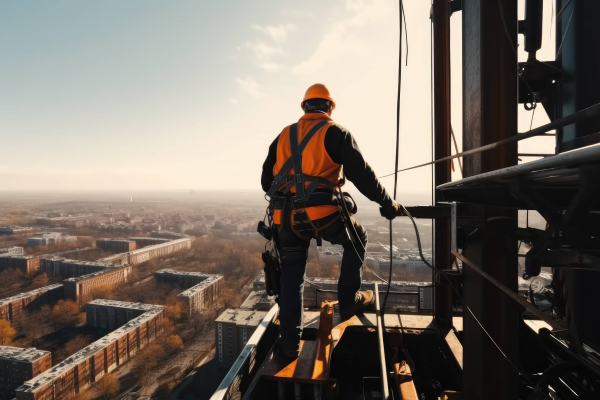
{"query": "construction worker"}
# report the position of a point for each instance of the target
(300, 175)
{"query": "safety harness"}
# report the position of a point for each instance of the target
(298, 178)
(301, 223)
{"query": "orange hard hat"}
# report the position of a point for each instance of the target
(318, 91)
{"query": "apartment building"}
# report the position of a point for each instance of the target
(233, 328)
(18, 365)
(61, 268)
(402, 296)
(148, 241)
(201, 289)
(12, 308)
(27, 264)
(88, 365)
(112, 314)
(149, 252)
(82, 288)
(116, 245)
(11, 251)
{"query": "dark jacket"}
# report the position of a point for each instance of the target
(343, 149)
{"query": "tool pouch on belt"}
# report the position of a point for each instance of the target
(350, 203)
(272, 274)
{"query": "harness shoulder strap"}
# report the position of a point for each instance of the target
(300, 198)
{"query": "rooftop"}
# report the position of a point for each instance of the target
(31, 293)
(120, 240)
(242, 317)
(60, 253)
(156, 246)
(18, 257)
(210, 279)
(59, 369)
(92, 263)
(175, 272)
(94, 274)
(19, 354)
(149, 238)
(127, 304)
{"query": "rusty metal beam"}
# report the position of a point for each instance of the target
(490, 115)
(441, 89)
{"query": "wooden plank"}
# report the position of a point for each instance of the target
(312, 364)
(324, 342)
(300, 370)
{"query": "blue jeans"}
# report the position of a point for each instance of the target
(294, 253)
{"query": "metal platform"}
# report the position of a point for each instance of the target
(557, 179)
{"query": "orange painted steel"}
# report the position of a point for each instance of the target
(404, 380)
(312, 364)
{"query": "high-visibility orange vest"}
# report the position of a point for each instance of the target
(315, 160)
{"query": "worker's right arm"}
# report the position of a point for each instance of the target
(266, 179)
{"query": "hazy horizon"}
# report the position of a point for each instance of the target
(146, 95)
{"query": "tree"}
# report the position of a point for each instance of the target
(7, 333)
(72, 347)
(108, 386)
(147, 360)
(66, 313)
(40, 280)
(10, 276)
(174, 311)
(81, 395)
(174, 344)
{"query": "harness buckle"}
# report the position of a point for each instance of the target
(299, 203)
(298, 178)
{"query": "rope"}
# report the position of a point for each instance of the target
(387, 292)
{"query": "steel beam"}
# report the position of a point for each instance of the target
(385, 391)
(441, 77)
(489, 115)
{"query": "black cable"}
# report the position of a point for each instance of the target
(432, 125)
(405, 30)
(387, 292)
(558, 52)
(562, 10)
(532, 114)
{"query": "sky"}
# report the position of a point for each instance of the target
(146, 94)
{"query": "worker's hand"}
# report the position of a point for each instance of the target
(390, 210)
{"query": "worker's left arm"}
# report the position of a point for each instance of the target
(266, 178)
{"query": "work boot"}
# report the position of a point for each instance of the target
(365, 300)
(286, 349)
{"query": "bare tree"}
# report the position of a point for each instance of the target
(72, 347)
(108, 386)
(40, 280)
(67, 313)
(7, 333)
(147, 360)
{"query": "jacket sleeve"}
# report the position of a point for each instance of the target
(267, 171)
(343, 149)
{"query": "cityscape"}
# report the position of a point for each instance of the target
(152, 297)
